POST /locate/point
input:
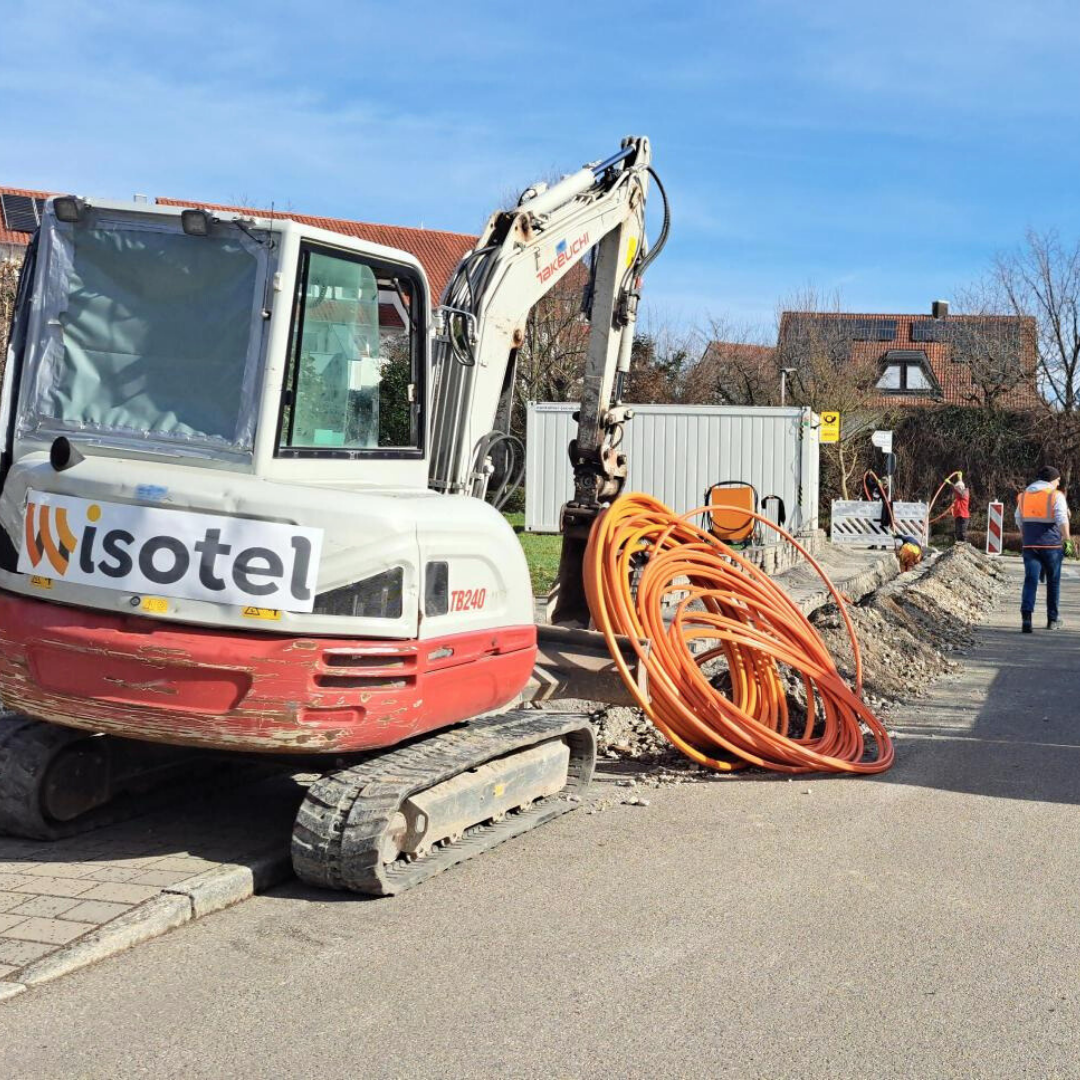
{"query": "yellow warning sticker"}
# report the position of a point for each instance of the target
(631, 251)
(268, 613)
(156, 605)
(41, 582)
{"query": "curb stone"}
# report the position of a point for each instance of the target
(209, 892)
(227, 885)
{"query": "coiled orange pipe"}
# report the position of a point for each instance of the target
(730, 609)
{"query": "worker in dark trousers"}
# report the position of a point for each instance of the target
(961, 510)
(1042, 515)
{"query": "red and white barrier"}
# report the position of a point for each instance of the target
(994, 528)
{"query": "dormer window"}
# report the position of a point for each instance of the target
(907, 371)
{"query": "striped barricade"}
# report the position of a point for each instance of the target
(995, 518)
(857, 523)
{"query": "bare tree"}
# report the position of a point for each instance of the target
(829, 375)
(551, 362)
(735, 366)
(660, 359)
(998, 351)
(9, 283)
(1041, 278)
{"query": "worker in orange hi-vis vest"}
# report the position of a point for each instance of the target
(1042, 515)
(961, 510)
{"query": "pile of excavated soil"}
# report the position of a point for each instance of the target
(909, 628)
(907, 631)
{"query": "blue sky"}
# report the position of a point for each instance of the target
(883, 151)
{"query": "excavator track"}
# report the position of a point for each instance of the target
(341, 827)
(57, 782)
(28, 747)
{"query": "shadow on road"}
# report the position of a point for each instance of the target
(1008, 725)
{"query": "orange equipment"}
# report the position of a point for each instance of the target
(732, 510)
(729, 609)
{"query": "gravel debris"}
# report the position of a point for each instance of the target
(909, 629)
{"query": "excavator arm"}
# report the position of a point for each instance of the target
(522, 255)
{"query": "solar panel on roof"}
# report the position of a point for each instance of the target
(20, 213)
(930, 330)
(873, 329)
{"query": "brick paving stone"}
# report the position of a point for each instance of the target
(48, 906)
(140, 863)
(121, 893)
(162, 878)
(45, 886)
(52, 893)
(71, 870)
(22, 952)
(189, 865)
(114, 873)
(53, 931)
(96, 911)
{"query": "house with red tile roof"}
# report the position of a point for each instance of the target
(975, 359)
(439, 252)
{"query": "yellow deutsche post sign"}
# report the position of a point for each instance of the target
(830, 427)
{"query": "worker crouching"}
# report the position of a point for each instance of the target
(1042, 515)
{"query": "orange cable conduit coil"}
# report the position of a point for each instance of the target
(747, 619)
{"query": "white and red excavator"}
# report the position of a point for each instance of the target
(250, 503)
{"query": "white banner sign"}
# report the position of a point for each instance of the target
(857, 523)
(144, 549)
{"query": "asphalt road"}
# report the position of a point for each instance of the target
(921, 924)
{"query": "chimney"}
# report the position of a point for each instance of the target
(939, 309)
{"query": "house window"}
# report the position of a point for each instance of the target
(907, 372)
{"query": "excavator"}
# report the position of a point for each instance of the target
(250, 490)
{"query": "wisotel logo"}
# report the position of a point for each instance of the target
(40, 542)
(150, 549)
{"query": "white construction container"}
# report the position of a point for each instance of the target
(675, 452)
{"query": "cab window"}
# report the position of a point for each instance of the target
(352, 384)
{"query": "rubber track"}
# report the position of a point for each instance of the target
(340, 825)
(27, 746)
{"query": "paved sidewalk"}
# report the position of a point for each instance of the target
(56, 897)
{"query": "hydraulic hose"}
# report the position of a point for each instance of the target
(640, 554)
